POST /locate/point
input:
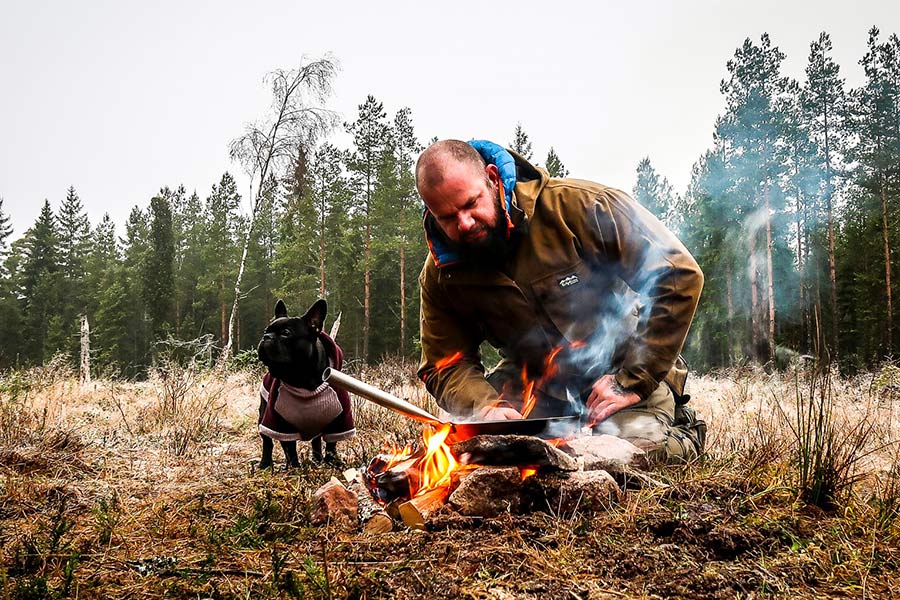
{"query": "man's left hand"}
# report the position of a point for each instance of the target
(607, 398)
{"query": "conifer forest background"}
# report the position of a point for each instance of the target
(792, 213)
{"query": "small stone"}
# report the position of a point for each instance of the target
(608, 453)
(336, 505)
(488, 492)
(586, 492)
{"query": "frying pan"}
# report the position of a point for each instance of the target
(458, 431)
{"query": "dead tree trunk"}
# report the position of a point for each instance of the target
(85, 351)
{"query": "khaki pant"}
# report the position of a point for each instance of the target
(665, 431)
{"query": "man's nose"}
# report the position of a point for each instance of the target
(465, 222)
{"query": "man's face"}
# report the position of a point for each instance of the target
(466, 205)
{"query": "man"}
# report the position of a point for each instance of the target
(587, 296)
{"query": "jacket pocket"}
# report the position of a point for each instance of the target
(569, 298)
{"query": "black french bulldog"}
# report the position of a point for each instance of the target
(296, 351)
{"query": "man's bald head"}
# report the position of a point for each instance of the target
(434, 162)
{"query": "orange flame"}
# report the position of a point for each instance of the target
(397, 456)
(438, 463)
(528, 397)
(528, 472)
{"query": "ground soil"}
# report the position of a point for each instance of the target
(101, 505)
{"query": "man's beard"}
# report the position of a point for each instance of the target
(493, 249)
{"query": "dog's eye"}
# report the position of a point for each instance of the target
(286, 333)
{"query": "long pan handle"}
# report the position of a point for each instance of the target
(380, 397)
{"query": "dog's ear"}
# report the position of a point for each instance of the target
(280, 309)
(315, 316)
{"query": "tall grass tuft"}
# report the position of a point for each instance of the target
(828, 448)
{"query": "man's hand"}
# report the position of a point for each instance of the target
(607, 398)
(498, 413)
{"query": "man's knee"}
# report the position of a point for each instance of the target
(668, 433)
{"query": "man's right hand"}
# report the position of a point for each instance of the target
(498, 413)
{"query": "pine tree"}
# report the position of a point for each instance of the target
(259, 299)
(521, 143)
(5, 231)
(122, 324)
(653, 192)
(755, 93)
(370, 133)
(405, 148)
(74, 244)
(824, 105)
(39, 285)
(190, 269)
(158, 284)
(802, 181)
(554, 165)
(223, 225)
(10, 311)
(876, 109)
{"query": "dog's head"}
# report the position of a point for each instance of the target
(291, 349)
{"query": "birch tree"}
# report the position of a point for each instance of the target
(269, 147)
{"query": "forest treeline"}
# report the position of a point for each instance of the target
(791, 213)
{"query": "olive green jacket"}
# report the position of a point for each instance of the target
(593, 266)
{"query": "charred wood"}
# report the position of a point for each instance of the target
(513, 450)
(372, 516)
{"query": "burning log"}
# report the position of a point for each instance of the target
(335, 504)
(389, 482)
(415, 512)
(372, 516)
(513, 450)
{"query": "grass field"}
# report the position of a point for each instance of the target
(148, 490)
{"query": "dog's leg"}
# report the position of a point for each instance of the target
(317, 449)
(331, 455)
(290, 454)
(265, 462)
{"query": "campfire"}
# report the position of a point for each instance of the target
(486, 468)
(476, 476)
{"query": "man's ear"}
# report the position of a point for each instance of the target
(493, 174)
(280, 309)
(315, 316)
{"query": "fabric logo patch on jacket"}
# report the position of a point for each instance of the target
(568, 281)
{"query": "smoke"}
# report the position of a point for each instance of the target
(624, 311)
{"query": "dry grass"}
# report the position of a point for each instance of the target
(148, 490)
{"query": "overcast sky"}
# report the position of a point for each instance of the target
(120, 98)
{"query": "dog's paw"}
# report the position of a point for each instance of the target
(264, 465)
(333, 460)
